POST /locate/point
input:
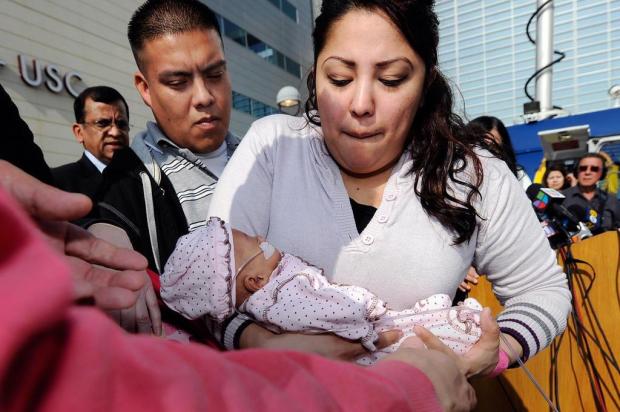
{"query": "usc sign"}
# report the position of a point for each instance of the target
(49, 75)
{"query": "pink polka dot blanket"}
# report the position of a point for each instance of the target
(199, 278)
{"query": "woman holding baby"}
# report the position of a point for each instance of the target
(382, 186)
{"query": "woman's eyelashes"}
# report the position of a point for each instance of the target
(393, 82)
(339, 82)
(389, 82)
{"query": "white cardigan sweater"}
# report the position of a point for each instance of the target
(282, 184)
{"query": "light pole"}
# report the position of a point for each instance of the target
(289, 100)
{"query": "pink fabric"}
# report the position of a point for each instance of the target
(298, 298)
(458, 327)
(198, 278)
(58, 357)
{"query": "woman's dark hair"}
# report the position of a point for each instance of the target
(488, 123)
(555, 168)
(442, 144)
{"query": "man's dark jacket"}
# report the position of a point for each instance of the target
(17, 144)
(120, 200)
(78, 177)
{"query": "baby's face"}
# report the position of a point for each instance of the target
(259, 266)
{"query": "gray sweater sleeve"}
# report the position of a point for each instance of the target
(514, 253)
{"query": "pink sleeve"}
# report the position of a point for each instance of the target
(55, 356)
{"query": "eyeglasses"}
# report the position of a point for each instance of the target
(104, 125)
(594, 169)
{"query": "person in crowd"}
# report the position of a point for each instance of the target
(403, 197)
(102, 127)
(602, 208)
(609, 182)
(20, 150)
(17, 144)
(50, 276)
(556, 178)
(495, 130)
(215, 271)
(160, 188)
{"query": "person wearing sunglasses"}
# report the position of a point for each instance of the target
(601, 209)
(102, 127)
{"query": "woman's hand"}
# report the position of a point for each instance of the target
(470, 279)
(453, 391)
(327, 344)
(482, 358)
(111, 277)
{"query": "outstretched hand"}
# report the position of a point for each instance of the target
(451, 386)
(482, 358)
(111, 276)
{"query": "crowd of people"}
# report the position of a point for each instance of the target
(380, 185)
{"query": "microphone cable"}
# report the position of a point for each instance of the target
(584, 337)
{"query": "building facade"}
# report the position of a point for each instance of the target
(51, 50)
(485, 52)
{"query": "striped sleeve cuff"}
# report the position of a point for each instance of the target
(232, 329)
(532, 325)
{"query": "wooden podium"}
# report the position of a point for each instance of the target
(600, 311)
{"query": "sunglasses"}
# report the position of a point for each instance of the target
(594, 169)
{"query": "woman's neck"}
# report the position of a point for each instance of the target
(367, 189)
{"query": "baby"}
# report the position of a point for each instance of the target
(216, 270)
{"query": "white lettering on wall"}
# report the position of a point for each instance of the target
(37, 75)
(69, 80)
(54, 82)
(50, 74)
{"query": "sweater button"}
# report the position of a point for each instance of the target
(390, 196)
(382, 219)
(368, 239)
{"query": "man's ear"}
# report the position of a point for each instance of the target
(78, 133)
(253, 282)
(143, 87)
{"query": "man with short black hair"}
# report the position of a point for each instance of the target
(161, 188)
(601, 208)
(102, 127)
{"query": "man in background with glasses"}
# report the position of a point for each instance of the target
(102, 127)
(601, 208)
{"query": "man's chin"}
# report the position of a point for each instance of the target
(207, 142)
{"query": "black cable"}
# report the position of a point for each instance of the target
(583, 345)
(609, 358)
(542, 69)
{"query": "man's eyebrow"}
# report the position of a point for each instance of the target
(174, 73)
(214, 66)
(185, 73)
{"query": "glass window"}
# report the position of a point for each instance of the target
(293, 67)
(242, 103)
(235, 32)
(289, 10)
(256, 45)
(268, 54)
(258, 108)
(279, 59)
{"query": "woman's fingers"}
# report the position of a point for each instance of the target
(388, 338)
(489, 327)
(431, 341)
